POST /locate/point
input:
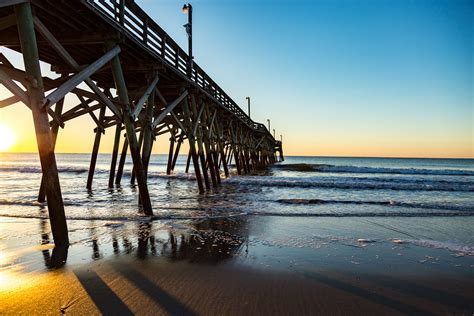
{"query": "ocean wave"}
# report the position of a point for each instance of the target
(462, 249)
(431, 206)
(134, 218)
(353, 183)
(365, 214)
(379, 170)
(32, 169)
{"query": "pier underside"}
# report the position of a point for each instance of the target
(126, 74)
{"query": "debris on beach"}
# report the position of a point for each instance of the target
(399, 241)
(365, 241)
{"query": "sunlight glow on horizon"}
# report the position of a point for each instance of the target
(369, 78)
(7, 138)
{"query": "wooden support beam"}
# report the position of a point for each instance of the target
(7, 22)
(68, 59)
(188, 161)
(123, 157)
(6, 3)
(91, 113)
(14, 88)
(169, 108)
(140, 144)
(70, 116)
(113, 162)
(81, 76)
(197, 119)
(176, 153)
(148, 136)
(54, 132)
(9, 101)
(144, 98)
(198, 137)
(170, 155)
(132, 138)
(192, 145)
(40, 118)
(204, 134)
(17, 91)
(95, 151)
(176, 119)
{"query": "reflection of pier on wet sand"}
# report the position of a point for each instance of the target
(209, 266)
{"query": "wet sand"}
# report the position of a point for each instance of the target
(169, 268)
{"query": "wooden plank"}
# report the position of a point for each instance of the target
(7, 22)
(6, 3)
(9, 101)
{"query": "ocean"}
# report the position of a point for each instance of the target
(427, 202)
(389, 234)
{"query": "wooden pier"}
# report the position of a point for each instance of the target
(140, 84)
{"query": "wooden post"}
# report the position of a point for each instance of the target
(131, 136)
(121, 164)
(148, 133)
(140, 143)
(220, 147)
(188, 161)
(170, 155)
(192, 145)
(54, 131)
(176, 153)
(44, 139)
(200, 146)
(113, 163)
(95, 150)
(209, 155)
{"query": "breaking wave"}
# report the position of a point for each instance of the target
(355, 183)
(379, 170)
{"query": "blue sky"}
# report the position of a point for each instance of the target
(387, 78)
(342, 77)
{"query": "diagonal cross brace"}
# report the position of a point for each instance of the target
(68, 58)
(141, 102)
(75, 80)
(197, 121)
(169, 108)
(23, 96)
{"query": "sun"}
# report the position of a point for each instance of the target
(7, 138)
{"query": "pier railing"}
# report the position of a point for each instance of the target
(132, 20)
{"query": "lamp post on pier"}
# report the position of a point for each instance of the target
(188, 9)
(248, 104)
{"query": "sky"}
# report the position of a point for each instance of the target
(335, 77)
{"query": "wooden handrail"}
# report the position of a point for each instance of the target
(128, 16)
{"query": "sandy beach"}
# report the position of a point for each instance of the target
(203, 268)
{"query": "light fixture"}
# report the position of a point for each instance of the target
(185, 9)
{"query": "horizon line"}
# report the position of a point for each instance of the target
(314, 156)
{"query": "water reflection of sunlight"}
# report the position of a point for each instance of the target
(12, 279)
